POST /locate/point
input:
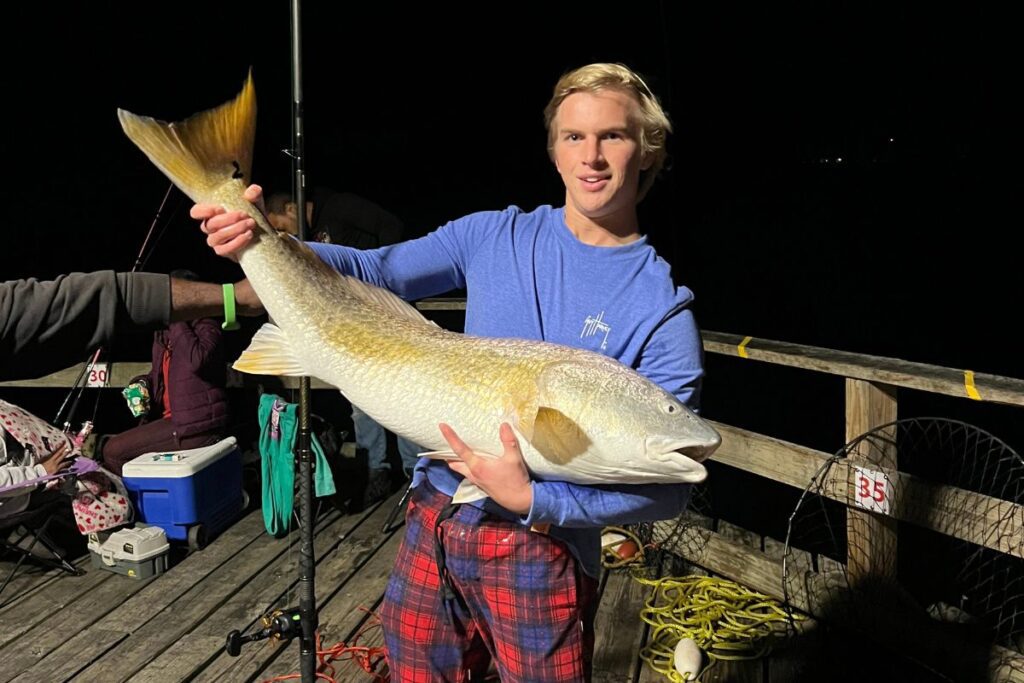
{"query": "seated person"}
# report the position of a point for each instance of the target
(29, 449)
(188, 406)
(33, 456)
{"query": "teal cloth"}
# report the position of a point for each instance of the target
(278, 459)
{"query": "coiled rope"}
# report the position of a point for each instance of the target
(727, 621)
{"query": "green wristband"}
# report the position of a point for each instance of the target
(229, 308)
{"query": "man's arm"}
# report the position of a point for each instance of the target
(191, 300)
(506, 480)
(47, 325)
(423, 267)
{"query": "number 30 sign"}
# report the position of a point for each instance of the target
(97, 376)
(872, 490)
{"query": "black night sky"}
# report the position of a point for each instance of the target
(842, 174)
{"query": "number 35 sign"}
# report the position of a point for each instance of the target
(872, 490)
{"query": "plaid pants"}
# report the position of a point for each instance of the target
(520, 598)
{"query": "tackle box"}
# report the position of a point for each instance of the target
(139, 553)
(191, 494)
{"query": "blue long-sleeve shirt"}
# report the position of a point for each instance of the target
(527, 276)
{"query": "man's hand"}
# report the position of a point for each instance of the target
(57, 461)
(227, 232)
(505, 479)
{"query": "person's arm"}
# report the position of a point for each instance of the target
(673, 358)
(191, 300)
(45, 325)
(506, 481)
(427, 266)
(12, 475)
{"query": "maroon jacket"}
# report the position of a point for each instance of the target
(196, 376)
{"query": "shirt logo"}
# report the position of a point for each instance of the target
(594, 326)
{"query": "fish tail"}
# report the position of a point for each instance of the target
(204, 151)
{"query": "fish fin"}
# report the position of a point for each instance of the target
(468, 492)
(387, 300)
(439, 455)
(554, 434)
(269, 353)
(521, 414)
(204, 151)
(557, 437)
(448, 456)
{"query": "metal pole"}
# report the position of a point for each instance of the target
(307, 561)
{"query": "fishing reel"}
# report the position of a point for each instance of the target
(281, 624)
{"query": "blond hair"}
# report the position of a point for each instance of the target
(654, 123)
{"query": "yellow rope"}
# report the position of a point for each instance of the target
(726, 620)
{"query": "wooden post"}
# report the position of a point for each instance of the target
(870, 538)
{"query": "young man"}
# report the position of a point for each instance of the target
(514, 577)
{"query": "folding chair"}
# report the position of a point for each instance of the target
(35, 520)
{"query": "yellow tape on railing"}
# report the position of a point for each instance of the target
(972, 391)
(742, 348)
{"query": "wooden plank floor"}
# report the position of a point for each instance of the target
(107, 627)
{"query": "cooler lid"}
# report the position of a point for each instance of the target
(173, 464)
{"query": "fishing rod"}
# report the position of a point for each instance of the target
(307, 561)
(78, 388)
(301, 622)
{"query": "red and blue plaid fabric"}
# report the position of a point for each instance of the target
(521, 599)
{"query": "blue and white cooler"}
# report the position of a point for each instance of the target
(192, 495)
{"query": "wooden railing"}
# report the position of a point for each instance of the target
(872, 384)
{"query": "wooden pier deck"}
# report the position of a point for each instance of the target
(107, 627)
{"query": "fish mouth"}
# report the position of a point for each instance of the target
(690, 469)
(697, 451)
(683, 457)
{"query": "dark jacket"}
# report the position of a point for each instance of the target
(196, 376)
(353, 221)
(46, 326)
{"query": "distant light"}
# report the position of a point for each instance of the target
(839, 160)
(890, 140)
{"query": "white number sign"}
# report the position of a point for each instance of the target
(98, 376)
(873, 490)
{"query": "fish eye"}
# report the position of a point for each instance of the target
(670, 408)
